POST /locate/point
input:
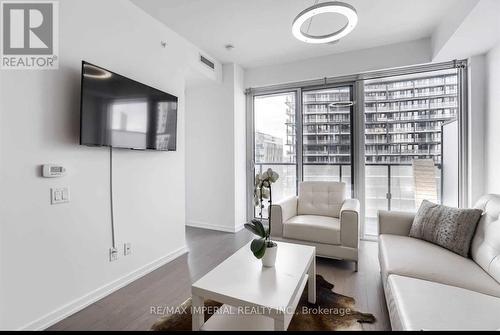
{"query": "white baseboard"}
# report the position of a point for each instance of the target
(239, 227)
(88, 299)
(204, 225)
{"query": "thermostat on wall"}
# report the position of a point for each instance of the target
(53, 171)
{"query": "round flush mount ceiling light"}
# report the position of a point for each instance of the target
(328, 7)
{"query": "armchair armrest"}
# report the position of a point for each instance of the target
(349, 223)
(395, 223)
(281, 212)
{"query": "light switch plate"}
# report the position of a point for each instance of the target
(59, 195)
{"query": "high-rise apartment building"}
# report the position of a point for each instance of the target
(403, 118)
(268, 148)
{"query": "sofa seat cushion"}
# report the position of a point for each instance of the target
(418, 304)
(313, 228)
(407, 256)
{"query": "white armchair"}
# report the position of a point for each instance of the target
(320, 216)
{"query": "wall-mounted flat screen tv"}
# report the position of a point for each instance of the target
(120, 112)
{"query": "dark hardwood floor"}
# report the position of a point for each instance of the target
(130, 307)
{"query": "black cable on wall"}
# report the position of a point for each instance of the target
(111, 196)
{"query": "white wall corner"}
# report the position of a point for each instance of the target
(450, 24)
(472, 28)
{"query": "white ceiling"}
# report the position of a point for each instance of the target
(260, 30)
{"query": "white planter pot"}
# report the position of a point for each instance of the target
(269, 258)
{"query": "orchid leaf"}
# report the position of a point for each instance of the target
(260, 228)
(258, 247)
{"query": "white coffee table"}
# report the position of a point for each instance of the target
(260, 298)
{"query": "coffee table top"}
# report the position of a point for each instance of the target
(241, 279)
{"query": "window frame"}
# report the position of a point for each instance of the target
(356, 81)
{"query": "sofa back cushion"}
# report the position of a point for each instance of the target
(485, 247)
(321, 198)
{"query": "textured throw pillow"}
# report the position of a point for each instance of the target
(448, 227)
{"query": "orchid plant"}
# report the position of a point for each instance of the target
(262, 191)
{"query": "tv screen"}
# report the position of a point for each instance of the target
(120, 112)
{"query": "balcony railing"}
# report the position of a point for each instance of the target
(391, 187)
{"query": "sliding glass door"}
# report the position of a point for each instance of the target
(405, 160)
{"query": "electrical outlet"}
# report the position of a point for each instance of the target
(127, 249)
(113, 254)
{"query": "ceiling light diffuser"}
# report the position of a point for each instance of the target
(328, 7)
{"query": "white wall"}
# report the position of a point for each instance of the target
(54, 259)
(476, 110)
(389, 56)
(492, 120)
(215, 156)
(449, 25)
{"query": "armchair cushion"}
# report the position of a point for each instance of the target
(321, 198)
(313, 228)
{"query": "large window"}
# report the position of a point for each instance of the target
(395, 137)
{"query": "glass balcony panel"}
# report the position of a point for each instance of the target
(346, 176)
(402, 189)
(321, 173)
(376, 189)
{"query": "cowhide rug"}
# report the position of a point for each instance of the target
(332, 311)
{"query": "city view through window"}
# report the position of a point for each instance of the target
(403, 119)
